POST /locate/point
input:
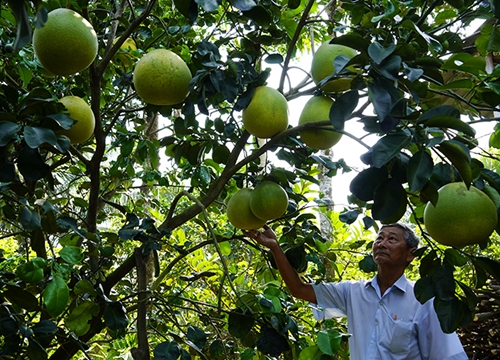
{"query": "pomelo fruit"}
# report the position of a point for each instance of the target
(239, 213)
(161, 77)
(268, 200)
(317, 109)
(461, 216)
(66, 44)
(322, 66)
(124, 55)
(84, 124)
(267, 113)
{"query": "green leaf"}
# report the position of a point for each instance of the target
(72, 254)
(459, 155)
(197, 336)
(389, 201)
(188, 8)
(378, 52)
(440, 111)
(168, 350)
(349, 217)
(31, 164)
(310, 352)
(8, 130)
(115, 316)
(329, 341)
(274, 59)
(381, 100)
(221, 154)
(78, 319)
(444, 283)
(495, 6)
(83, 287)
(457, 4)
(296, 255)
(433, 43)
(67, 222)
(424, 289)
(465, 62)
(30, 219)
(293, 4)
(448, 314)
(56, 296)
(419, 170)
(342, 108)
(454, 257)
(239, 324)
(390, 67)
(36, 136)
(32, 271)
(23, 35)
(261, 16)
(388, 147)
(243, 5)
(271, 342)
(21, 297)
(450, 123)
(364, 184)
(368, 265)
(458, 84)
(208, 5)
(491, 266)
(44, 328)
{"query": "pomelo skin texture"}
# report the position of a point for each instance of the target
(322, 66)
(239, 212)
(66, 44)
(161, 77)
(461, 217)
(267, 113)
(268, 201)
(317, 109)
(83, 127)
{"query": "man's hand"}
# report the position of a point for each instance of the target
(267, 237)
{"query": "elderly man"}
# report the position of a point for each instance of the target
(384, 317)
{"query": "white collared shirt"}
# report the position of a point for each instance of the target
(394, 326)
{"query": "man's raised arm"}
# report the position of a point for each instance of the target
(293, 282)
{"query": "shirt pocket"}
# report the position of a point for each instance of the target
(401, 335)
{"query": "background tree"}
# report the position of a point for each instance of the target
(122, 243)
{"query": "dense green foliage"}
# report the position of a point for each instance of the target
(122, 244)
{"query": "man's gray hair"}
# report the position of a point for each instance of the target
(412, 240)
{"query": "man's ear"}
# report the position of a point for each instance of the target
(410, 256)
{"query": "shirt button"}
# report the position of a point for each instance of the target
(376, 323)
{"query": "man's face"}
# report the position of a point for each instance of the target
(389, 248)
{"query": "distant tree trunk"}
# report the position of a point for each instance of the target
(325, 188)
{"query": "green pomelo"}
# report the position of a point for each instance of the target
(267, 113)
(461, 216)
(66, 44)
(318, 109)
(322, 66)
(239, 213)
(84, 126)
(161, 77)
(268, 201)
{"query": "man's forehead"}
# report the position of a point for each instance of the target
(391, 230)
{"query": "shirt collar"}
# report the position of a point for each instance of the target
(400, 283)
